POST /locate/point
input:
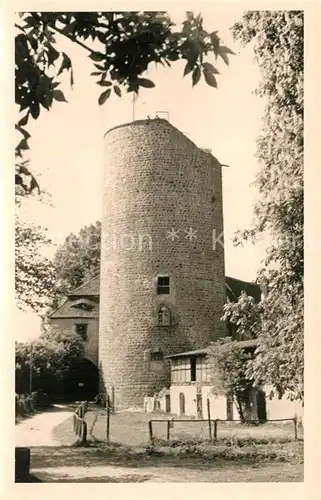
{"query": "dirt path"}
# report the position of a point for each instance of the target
(37, 430)
(170, 474)
(90, 465)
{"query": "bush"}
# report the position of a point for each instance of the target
(247, 450)
(27, 404)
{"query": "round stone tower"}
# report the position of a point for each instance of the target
(162, 256)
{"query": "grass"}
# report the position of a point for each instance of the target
(193, 462)
(131, 429)
(242, 453)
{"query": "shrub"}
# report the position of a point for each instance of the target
(25, 404)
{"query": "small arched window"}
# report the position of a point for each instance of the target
(164, 316)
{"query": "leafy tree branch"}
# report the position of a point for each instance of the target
(129, 42)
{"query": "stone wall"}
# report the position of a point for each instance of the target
(155, 180)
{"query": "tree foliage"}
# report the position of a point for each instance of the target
(277, 39)
(279, 357)
(245, 315)
(34, 273)
(228, 372)
(53, 357)
(121, 46)
(78, 259)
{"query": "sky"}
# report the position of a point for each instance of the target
(66, 147)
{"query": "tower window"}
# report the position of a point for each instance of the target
(156, 361)
(81, 329)
(164, 316)
(157, 356)
(163, 285)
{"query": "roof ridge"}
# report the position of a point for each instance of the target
(83, 284)
(58, 307)
(243, 281)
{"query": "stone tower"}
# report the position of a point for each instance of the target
(162, 274)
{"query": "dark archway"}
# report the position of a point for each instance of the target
(83, 382)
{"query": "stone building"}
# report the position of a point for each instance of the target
(79, 313)
(162, 283)
(162, 286)
(191, 391)
(191, 388)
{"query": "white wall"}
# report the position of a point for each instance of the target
(190, 399)
(217, 403)
(275, 408)
(281, 408)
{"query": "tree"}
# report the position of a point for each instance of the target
(52, 358)
(228, 373)
(277, 39)
(245, 316)
(121, 46)
(34, 273)
(78, 259)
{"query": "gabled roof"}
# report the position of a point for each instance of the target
(67, 310)
(91, 287)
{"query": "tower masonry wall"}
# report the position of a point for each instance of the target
(156, 181)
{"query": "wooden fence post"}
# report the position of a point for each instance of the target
(215, 429)
(150, 430)
(168, 429)
(108, 420)
(209, 418)
(113, 399)
(295, 428)
(83, 432)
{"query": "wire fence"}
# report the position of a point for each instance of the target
(137, 428)
(214, 429)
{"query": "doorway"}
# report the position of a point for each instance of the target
(181, 403)
(167, 403)
(261, 405)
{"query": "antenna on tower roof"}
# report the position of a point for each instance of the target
(162, 113)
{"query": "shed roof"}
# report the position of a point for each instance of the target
(242, 344)
(234, 288)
